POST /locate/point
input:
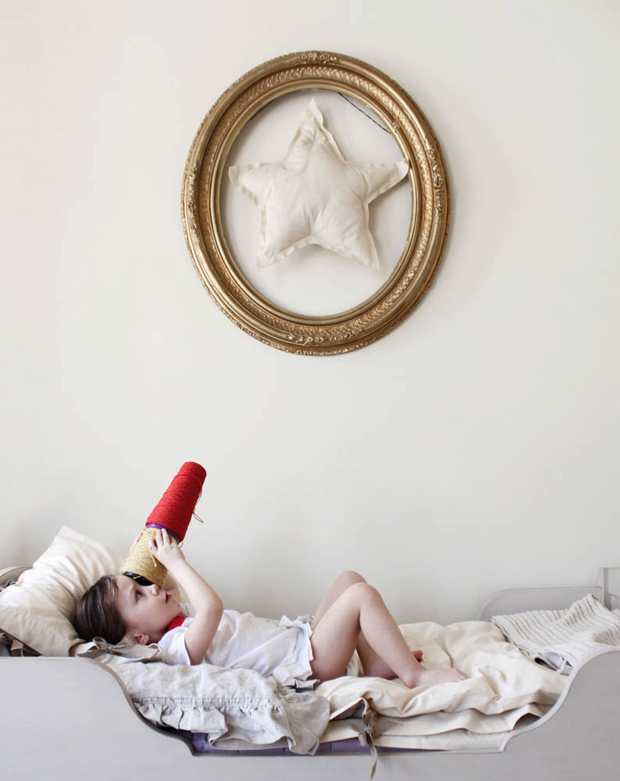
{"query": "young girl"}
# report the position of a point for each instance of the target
(352, 616)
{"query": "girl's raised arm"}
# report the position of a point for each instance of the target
(206, 602)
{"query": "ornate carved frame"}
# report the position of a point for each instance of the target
(220, 274)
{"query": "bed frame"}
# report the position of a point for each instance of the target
(63, 719)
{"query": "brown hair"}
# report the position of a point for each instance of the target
(96, 614)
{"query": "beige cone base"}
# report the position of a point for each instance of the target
(142, 562)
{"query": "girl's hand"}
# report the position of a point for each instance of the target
(166, 549)
(136, 540)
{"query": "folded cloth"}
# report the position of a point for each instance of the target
(563, 639)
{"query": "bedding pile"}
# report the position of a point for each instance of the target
(503, 687)
(239, 709)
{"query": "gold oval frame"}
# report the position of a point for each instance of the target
(220, 274)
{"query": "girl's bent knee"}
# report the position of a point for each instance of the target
(364, 593)
(351, 577)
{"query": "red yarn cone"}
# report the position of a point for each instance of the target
(175, 509)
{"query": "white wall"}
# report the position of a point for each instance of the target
(474, 448)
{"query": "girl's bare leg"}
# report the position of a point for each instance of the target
(371, 662)
(358, 609)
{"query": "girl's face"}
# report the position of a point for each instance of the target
(147, 610)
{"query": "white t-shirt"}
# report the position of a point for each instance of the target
(278, 649)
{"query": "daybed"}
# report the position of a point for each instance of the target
(64, 718)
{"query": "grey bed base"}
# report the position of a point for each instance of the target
(63, 719)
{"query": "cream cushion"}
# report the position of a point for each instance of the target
(37, 609)
(315, 196)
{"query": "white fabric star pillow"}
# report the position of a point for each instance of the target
(315, 196)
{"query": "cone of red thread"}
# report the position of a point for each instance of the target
(173, 512)
(175, 509)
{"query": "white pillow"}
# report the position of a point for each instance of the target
(314, 196)
(38, 608)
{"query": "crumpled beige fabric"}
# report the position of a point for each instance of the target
(226, 704)
(501, 679)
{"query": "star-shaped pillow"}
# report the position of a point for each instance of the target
(315, 196)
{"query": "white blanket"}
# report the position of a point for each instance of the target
(563, 639)
(503, 685)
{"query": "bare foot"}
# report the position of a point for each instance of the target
(424, 677)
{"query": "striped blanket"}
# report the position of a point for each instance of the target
(563, 639)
